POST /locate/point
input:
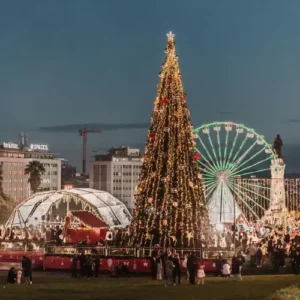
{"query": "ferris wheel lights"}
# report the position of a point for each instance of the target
(250, 134)
(205, 130)
(268, 150)
(217, 127)
(239, 129)
(228, 126)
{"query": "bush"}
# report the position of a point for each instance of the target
(290, 293)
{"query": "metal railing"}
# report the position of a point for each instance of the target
(106, 251)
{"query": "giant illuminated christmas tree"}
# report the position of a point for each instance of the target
(170, 208)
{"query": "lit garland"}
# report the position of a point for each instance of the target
(169, 208)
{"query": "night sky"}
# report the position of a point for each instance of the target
(78, 62)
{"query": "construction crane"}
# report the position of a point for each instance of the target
(84, 132)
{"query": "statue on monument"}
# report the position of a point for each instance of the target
(277, 146)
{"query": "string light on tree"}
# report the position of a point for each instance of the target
(169, 180)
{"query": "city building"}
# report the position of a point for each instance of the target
(14, 157)
(117, 172)
(68, 174)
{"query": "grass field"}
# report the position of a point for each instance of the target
(62, 287)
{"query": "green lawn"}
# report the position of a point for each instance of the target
(63, 287)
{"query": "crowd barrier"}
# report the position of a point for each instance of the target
(59, 257)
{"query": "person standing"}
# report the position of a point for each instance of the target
(218, 264)
(184, 264)
(192, 267)
(228, 240)
(161, 267)
(30, 269)
(82, 262)
(154, 266)
(252, 253)
(236, 264)
(200, 274)
(96, 265)
(241, 260)
(297, 262)
(259, 256)
(26, 268)
(177, 269)
(169, 270)
(89, 266)
(293, 252)
(74, 266)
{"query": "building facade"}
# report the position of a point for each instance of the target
(117, 173)
(14, 159)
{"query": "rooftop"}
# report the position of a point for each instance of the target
(120, 152)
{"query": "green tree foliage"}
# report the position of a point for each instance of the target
(35, 170)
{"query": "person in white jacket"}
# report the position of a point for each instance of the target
(226, 270)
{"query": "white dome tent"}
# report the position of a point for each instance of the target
(37, 209)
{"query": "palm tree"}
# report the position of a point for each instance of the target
(35, 170)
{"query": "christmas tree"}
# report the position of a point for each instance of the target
(170, 208)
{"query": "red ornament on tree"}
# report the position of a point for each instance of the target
(197, 156)
(170, 79)
(184, 95)
(152, 136)
(164, 100)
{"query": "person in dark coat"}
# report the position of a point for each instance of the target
(11, 276)
(89, 266)
(276, 259)
(236, 264)
(282, 256)
(270, 249)
(218, 264)
(297, 262)
(26, 266)
(30, 269)
(96, 265)
(153, 261)
(74, 266)
(287, 238)
(259, 256)
(82, 263)
(177, 269)
(293, 253)
(192, 267)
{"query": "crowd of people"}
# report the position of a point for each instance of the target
(166, 266)
(116, 237)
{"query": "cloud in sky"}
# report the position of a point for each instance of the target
(294, 121)
(95, 126)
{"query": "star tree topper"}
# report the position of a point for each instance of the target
(170, 36)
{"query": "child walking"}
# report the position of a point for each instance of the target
(200, 274)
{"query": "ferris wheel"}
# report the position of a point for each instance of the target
(234, 162)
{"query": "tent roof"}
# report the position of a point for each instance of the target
(32, 211)
(88, 219)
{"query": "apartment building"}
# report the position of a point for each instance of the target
(117, 172)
